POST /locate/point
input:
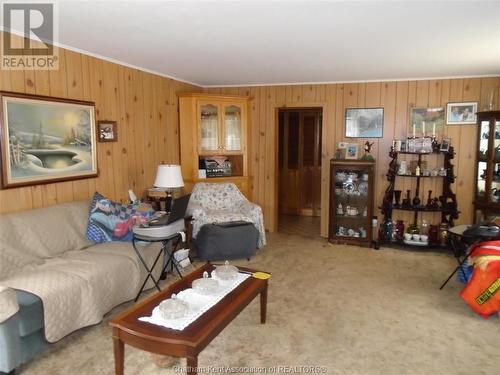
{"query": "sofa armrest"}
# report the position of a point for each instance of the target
(10, 341)
(8, 303)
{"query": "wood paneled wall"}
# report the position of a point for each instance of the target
(145, 107)
(396, 98)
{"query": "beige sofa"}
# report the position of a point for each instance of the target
(45, 252)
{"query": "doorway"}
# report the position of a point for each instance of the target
(299, 170)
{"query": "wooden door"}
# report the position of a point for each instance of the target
(300, 162)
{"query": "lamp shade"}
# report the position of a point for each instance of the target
(169, 176)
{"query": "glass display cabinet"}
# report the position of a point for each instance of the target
(220, 134)
(487, 181)
(214, 127)
(209, 127)
(351, 201)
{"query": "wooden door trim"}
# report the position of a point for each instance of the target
(273, 116)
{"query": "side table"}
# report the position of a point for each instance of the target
(164, 249)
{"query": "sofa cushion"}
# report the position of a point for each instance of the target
(45, 232)
(113, 221)
(30, 313)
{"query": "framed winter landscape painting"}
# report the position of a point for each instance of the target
(46, 139)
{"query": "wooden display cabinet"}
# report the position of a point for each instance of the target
(487, 176)
(351, 201)
(214, 125)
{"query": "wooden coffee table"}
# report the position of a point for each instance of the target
(188, 343)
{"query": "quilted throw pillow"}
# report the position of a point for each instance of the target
(113, 221)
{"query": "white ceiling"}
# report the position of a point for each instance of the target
(243, 43)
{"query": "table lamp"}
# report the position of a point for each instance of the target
(169, 177)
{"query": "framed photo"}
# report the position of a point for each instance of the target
(445, 145)
(426, 121)
(396, 145)
(343, 144)
(352, 151)
(107, 131)
(364, 122)
(340, 153)
(461, 113)
(46, 139)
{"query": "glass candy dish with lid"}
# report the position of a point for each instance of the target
(173, 308)
(226, 271)
(206, 285)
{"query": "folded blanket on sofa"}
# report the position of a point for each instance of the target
(45, 252)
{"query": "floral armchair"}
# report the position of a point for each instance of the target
(223, 202)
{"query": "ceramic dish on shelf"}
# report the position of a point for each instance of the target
(173, 308)
(226, 271)
(415, 243)
(206, 285)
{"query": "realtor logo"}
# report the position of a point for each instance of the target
(27, 40)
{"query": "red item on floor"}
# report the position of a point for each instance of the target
(482, 292)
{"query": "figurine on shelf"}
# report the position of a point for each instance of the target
(435, 203)
(416, 201)
(435, 145)
(429, 200)
(407, 201)
(340, 209)
(400, 230)
(397, 198)
(367, 148)
(417, 171)
(362, 232)
(402, 168)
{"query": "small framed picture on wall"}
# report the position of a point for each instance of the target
(461, 113)
(352, 151)
(364, 122)
(107, 131)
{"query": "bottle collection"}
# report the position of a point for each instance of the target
(432, 203)
(421, 234)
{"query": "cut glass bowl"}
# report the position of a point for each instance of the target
(173, 308)
(205, 285)
(226, 272)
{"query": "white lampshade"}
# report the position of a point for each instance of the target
(169, 176)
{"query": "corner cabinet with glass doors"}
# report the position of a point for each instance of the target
(351, 201)
(487, 181)
(214, 128)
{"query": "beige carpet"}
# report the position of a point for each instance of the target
(351, 310)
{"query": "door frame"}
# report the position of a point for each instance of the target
(273, 115)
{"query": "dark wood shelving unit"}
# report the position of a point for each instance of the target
(417, 208)
(448, 200)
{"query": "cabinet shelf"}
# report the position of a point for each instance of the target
(414, 176)
(421, 209)
(350, 217)
(421, 153)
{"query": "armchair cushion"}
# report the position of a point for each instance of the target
(223, 202)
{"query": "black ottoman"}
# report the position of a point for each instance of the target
(232, 240)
